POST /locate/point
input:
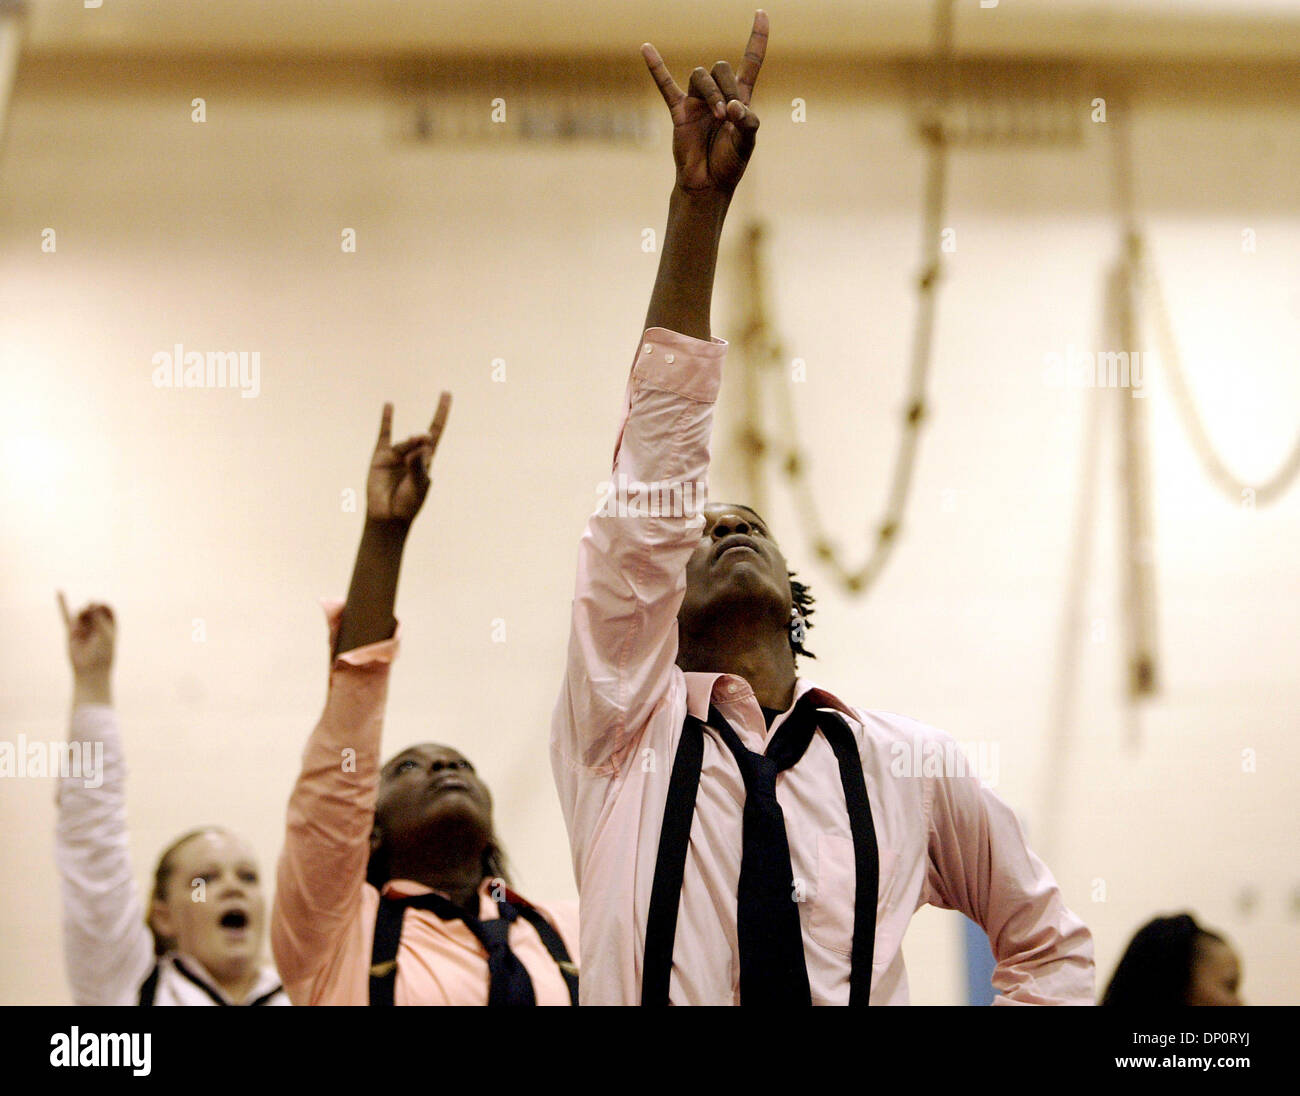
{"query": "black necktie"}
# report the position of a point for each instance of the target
(508, 979)
(772, 967)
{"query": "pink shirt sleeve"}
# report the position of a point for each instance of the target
(980, 864)
(318, 890)
(632, 561)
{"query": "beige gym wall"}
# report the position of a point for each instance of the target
(185, 506)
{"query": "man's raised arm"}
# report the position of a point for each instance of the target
(632, 559)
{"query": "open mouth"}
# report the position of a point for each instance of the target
(234, 919)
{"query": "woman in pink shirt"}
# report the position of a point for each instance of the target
(391, 886)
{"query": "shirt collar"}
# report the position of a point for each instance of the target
(702, 690)
(407, 888)
(267, 979)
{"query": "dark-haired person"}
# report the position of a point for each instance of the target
(739, 834)
(1173, 961)
(202, 941)
(391, 888)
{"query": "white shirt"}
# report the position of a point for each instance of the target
(107, 947)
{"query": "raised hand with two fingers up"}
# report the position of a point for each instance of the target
(399, 474)
(396, 486)
(713, 126)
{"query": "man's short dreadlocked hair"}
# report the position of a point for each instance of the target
(803, 601)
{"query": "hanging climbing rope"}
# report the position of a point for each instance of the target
(760, 345)
(1152, 297)
(1239, 490)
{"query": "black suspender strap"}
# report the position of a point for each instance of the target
(554, 945)
(149, 989)
(866, 856)
(674, 841)
(383, 952)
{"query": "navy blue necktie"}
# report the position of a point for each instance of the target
(508, 980)
(772, 966)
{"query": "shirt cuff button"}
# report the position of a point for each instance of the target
(647, 349)
(668, 358)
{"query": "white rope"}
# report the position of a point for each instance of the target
(856, 580)
(1239, 490)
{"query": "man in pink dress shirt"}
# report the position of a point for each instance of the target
(681, 674)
